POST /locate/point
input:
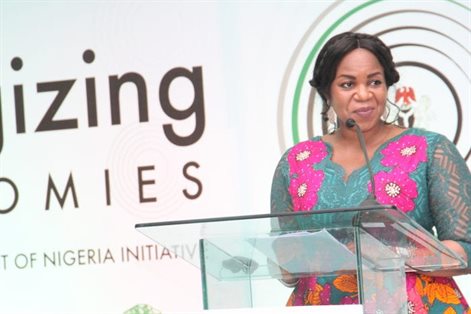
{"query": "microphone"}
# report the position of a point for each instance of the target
(371, 199)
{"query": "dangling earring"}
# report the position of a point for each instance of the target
(386, 112)
(332, 119)
(329, 118)
(391, 111)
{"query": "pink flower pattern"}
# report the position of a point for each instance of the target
(304, 188)
(395, 188)
(414, 300)
(305, 180)
(349, 300)
(405, 153)
(305, 154)
(303, 286)
(325, 294)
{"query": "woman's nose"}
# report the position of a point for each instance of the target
(362, 93)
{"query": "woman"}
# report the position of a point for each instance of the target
(411, 168)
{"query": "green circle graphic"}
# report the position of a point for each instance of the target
(314, 51)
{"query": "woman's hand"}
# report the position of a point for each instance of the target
(286, 255)
(454, 247)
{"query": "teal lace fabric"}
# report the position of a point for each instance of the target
(418, 171)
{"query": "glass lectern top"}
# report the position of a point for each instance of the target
(303, 242)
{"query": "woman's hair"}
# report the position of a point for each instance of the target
(340, 45)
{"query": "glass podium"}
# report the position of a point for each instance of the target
(242, 257)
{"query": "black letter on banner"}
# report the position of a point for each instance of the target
(198, 182)
(196, 78)
(91, 101)
(15, 200)
(145, 182)
(107, 187)
(115, 85)
(16, 64)
(69, 186)
(88, 56)
(19, 109)
(47, 123)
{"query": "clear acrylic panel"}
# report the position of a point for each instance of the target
(242, 258)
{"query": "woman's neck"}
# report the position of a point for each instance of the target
(373, 137)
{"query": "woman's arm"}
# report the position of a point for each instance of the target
(449, 181)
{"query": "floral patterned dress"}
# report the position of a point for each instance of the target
(418, 171)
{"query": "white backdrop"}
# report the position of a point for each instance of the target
(234, 67)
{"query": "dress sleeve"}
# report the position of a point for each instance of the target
(449, 181)
(280, 199)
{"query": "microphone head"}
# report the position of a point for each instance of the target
(350, 123)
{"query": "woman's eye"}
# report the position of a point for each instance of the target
(346, 84)
(376, 82)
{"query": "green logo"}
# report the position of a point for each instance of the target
(142, 309)
(429, 45)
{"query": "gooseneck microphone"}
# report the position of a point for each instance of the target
(371, 199)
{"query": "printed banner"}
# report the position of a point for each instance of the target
(114, 113)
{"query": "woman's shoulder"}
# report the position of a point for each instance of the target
(313, 149)
(431, 136)
(430, 140)
(315, 142)
(422, 131)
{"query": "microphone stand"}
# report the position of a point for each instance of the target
(371, 199)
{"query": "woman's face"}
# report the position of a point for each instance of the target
(359, 89)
